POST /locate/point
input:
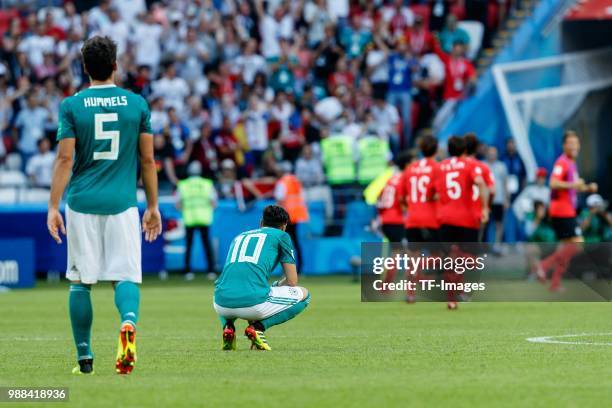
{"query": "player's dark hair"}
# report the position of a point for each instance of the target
(428, 145)
(403, 159)
(471, 143)
(274, 216)
(99, 57)
(456, 146)
(569, 133)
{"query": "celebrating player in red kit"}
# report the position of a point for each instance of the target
(471, 146)
(417, 194)
(565, 183)
(455, 186)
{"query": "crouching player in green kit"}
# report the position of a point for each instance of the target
(243, 292)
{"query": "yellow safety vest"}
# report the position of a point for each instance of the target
(196, 205)
(373, 158)
(338, 159)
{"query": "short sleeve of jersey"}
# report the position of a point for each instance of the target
(559, 171)
(145, 119)
(285, 249)
(65, 128)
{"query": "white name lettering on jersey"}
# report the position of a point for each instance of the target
(92, 102)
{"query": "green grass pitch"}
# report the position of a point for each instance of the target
(339, 352)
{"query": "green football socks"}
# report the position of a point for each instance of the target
(127, 300)
(81, 317)
(286, 314)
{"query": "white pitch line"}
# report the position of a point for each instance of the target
(551, 339)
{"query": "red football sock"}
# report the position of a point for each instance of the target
(564, 256)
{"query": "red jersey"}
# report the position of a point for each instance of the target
(456, 191)
(458, 72)
(388, 205)
(489, 180)
(418, 185)
(563, 201)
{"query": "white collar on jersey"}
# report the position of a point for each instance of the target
(102, 86)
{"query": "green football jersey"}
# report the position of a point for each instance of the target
(106, 122)
(252, 257)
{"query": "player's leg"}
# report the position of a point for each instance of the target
(283, 304)
(84, 252)
(210, 256)
(122, 257)
(227, 319)
(187, 273)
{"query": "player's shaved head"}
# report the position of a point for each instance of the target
(428, 145)
(99, 57)
(275, 216)
(456, 146)
(471, 143)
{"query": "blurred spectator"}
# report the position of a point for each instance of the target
(164, 160)
(398, 18)
(225, 142)
(501, 198)
(386, 120)
(516, 169)
(309, 170)
(355, 38)
(29, 125)
(256, 127)
(316, 15)
(402, 64)
(459, 71)
(179, 137)
(274, 27)
(452, 34)
(419, 37)
(39, 168)
(117, 29)
(172, 89)
(204, 151)
(538, 227)
(538, 191)
(595, 220)
(147, 45)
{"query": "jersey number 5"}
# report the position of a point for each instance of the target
(242, 243)
(101, 134)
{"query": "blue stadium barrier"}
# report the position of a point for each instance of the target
(17, 263)
(30, 221)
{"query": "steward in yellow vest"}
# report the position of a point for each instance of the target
(374, 157)
(197, 199)
(338, 159)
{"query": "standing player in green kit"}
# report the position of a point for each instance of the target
(103, 133)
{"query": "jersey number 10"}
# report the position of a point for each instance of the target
(101, 134)
(241, 243)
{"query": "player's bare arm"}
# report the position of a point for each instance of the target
(484, 197)
(291, 276)
(61, 175)
(151, 220)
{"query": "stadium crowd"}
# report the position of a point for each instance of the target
(251, 90)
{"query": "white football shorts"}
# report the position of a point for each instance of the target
(280, 298)
(104, 247)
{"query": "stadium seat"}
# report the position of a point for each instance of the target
(8, 195)
(34, 195)
(475, 30)
(12, 178)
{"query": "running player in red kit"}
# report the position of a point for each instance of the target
(390, 211)
(565, 183)
(455, 186)
(471, 147)
(417, 194)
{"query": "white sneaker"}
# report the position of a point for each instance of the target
(189, 276)
(211, 276)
